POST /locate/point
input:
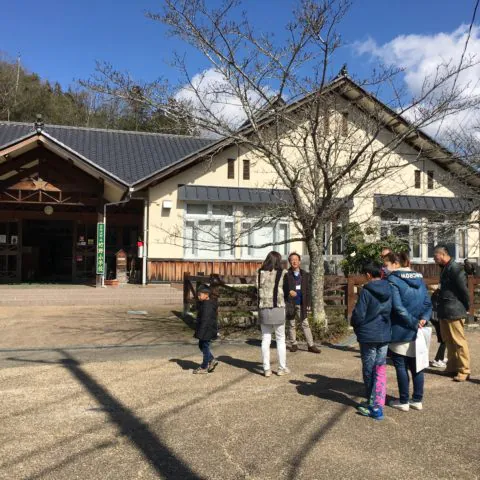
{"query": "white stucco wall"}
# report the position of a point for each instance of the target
(166, 226)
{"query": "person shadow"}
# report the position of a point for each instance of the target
(253, 367)
(441, 373)
(185, 364)
(338, 390)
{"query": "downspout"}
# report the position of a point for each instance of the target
(126, 200)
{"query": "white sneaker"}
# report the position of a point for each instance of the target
(283, 371)
(415, 405)
(267, 373)
(404, 407)
(438, 364)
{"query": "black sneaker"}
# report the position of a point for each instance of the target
(211, 365)
(294, 348)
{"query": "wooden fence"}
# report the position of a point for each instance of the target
(235, 297)
(354, 284)
(340, 293)
(174, 270)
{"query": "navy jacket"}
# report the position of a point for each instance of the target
(410, 304)
(207, 328)
(371, 316)
(454, 300)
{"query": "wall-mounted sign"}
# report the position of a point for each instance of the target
(100, 249)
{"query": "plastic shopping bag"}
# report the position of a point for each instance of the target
(422, 347)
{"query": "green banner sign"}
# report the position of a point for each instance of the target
(100, 248)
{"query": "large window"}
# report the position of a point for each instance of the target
(422, 235)
(410, 231)
(208, 231)
(260, 234)
(455, 239)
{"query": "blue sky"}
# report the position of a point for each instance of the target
(60, 40)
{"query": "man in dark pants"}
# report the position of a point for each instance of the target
(297, 284)
(453, 305)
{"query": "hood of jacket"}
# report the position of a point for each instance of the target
(380, 290)
(411, 278)
(371, 315)
(411, 303)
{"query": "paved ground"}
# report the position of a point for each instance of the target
(137, 412)
(60, 326)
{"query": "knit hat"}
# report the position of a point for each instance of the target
(204, 289)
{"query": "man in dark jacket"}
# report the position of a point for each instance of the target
(453, 305)
(297, 291)
(207, 328)
(371, 323)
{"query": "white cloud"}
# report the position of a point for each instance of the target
(218, 98)
(421, 55)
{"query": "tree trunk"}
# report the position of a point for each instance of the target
(317, 276)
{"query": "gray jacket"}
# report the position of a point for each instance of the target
(453, 298)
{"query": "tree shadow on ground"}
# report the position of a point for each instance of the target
(257, 342)
(253, 367)
(185, 364)
(160, 457)
(342, 348)
(338, 390)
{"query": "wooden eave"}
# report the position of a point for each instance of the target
(35, 139)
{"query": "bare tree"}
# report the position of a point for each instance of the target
(328, 141)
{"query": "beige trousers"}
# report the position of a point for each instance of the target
(292, 330)
(453, 334)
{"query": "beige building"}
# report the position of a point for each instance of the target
(198, 205)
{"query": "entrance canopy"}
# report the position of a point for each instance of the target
(37, 162)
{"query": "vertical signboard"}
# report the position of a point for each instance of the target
(100, 248)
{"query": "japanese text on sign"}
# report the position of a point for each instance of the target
(100, 248)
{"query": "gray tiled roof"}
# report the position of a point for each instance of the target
(423, 203)
(233, 194)
(130, 156)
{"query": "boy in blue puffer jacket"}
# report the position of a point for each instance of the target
(411, 310)
(371, 323)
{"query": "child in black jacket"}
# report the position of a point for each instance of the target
(207, 329)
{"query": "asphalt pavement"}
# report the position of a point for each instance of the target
(81, 410)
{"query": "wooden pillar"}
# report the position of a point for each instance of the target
(19, 250)
(186, 292)
(74, 251)
(350, 296)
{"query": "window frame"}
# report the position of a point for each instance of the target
(412, 224)
(231, 169)
(195, 219)
(428, 229)
(277, 225)
(430, 180)
(418, 179)
(246, 170)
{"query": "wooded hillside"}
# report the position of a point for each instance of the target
(23, 95)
